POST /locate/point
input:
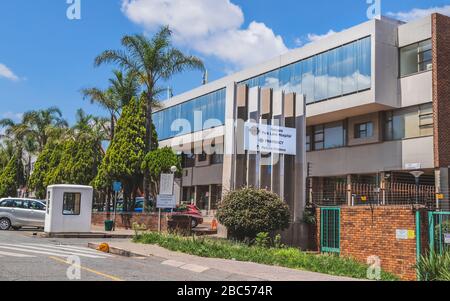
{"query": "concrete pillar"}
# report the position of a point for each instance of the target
(229, 139)
(254, 95)
(383, 187)
(442, 187)
(349, 190)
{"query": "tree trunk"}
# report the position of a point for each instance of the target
(112, 127)
(148, 148)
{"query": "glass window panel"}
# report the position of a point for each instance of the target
(349, 68)
(71, 203)
(364, 64)
(296, 78)
(334, 135)
(408, 60)
(320, 76)
(308, 79)
(425, 46)
(335, 73)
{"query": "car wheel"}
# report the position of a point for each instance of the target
(5, 224)
(194, 223)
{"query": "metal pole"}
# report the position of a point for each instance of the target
(417, 190)
(115, 208)
(159, 220)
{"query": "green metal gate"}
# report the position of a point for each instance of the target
(439, 226)
(330, 230)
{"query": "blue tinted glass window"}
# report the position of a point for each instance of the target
(308, 79)
(364, 64)
(210, 106)
(321, 76)
(349, 68)
(335, 73)
(344, 70)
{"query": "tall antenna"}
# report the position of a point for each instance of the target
(169, 92)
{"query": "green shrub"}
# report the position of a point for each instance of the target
(434, 267)
(250, 211)
(262, 240)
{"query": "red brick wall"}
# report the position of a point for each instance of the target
(127, 220)
(366, 232)
(441, 89)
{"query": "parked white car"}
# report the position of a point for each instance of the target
(16, 213)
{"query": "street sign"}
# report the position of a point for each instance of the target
(166, 186)
(447, 238)
(117, 186)
(166, 202)
(401, 234)
(413, 166)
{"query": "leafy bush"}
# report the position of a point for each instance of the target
(264, 240)
(249, 211)
(284, 257)
(434, 267)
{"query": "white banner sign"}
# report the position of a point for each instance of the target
(166, 202)
(166, 186)
(270, 139)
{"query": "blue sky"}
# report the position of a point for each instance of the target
(45, 58)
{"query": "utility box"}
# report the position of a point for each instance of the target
(69, 209)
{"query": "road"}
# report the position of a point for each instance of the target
(24, 257)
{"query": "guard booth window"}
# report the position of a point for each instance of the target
(71, 203)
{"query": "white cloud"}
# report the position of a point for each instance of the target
(418, 13)
(211, 27)
(312, 37)
(7, 73)
(12, 115)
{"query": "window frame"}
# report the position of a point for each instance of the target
(419, 62)
(79, 204)
(358, 131)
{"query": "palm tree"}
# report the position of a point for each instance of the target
(121, 91)
(90, 126)
(151, 61)
(43, 123)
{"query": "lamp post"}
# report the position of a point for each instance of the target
(417, 174)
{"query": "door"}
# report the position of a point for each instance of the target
(330, 230)
(36, 214)
(20, 212)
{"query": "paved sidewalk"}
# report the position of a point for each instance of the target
(249, 269)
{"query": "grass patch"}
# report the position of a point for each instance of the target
(285, 257)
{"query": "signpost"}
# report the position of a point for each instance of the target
(117, 187)
(166, 199)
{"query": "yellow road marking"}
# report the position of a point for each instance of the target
(88, 269)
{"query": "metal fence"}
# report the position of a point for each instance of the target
(439, 227)
(390, 194)
(330, 230)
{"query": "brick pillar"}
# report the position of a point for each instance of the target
(441, 99)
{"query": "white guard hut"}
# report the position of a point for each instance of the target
(69, 209)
